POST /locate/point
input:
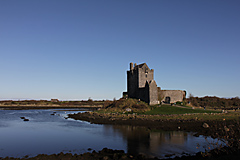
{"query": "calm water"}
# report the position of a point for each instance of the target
(47, 134)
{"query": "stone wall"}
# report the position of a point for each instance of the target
(153, 92)
(132, 81)
(143, 94)
(144, 74)
(175, 95)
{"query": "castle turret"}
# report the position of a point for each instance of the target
(131, 66)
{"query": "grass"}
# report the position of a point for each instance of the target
(124, 105)
(167, 112)
(167, 109)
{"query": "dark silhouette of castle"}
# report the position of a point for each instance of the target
(141, 85)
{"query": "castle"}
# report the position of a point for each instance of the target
(141, 85)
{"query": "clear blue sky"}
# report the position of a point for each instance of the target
(76, 49)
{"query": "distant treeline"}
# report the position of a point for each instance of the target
(215, 102)
(51, 102)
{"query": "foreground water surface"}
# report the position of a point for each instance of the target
(48, 132)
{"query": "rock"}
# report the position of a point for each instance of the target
(116, 156)
(22, 117)
(106, 158)
(226, 129)
(128, 110)
(205, 125)
(26, 120)
(169, 155)
(124, 157)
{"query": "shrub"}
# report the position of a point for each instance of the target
(215, 102)
(122, 104)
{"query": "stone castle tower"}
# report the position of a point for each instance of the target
(141, 85)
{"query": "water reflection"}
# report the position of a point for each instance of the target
(156, 143)
(48, 133)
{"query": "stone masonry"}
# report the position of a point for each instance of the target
(141, 85)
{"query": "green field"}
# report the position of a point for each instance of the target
(167, 109)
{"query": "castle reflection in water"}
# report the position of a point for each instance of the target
(144, 141)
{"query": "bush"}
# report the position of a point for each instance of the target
(122, 104)
(215, 102)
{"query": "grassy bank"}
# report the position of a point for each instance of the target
(167, 109)
(131, 108)
(128, 106)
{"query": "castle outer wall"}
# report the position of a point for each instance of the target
(171, 96)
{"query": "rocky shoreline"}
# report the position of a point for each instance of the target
(110, 154)
(151, 122)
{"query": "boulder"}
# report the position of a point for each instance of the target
(226, 129)
(128, 110)
(205, 125)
